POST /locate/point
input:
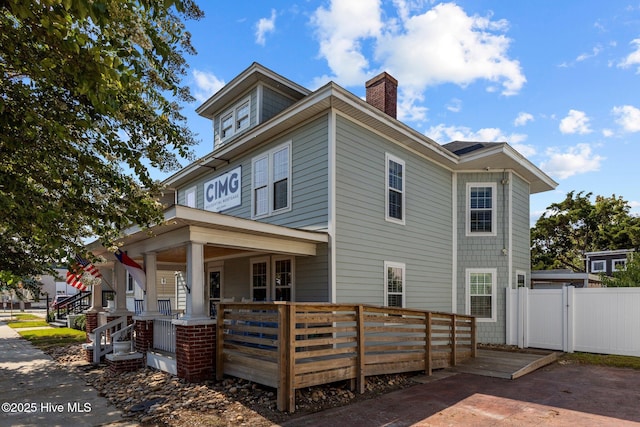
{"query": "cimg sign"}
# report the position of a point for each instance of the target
(224, 191)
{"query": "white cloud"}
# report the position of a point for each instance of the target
(264, 26)
(594, 52)
(575, 122)
(633, 58)
(206, 84)
(575, 160)
(443, 134)
(340, 30)
(628, 117)
(607, 133)
(522, 119)
(420, 49)
(455, 105)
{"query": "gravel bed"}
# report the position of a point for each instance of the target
(156, 398)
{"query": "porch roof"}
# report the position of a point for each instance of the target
(222, 235)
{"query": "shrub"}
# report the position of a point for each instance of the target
(80, 322)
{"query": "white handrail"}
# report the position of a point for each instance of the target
(102, 341)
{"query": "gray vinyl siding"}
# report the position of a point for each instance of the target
(309, 179)
(273, 103)
(365, 240)
(484, 252)
(521, 240)
(236, 279)
(312, 276)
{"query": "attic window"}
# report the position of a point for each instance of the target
(236, 119)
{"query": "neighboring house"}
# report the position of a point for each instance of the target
(556, 279)
(322, 196)
(607, 262)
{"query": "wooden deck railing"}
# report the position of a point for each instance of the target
(290, 346)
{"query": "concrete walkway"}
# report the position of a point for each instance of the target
(35, 391)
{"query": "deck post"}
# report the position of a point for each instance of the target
(286, 364)
(453, 340)
(427, 345)
(360, 369)
(219, 353)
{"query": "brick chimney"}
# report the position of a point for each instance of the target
(382, 93)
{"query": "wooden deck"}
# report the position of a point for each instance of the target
(504, 364)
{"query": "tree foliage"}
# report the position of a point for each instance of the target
(577, 225)
(88, 88)
(629, 277)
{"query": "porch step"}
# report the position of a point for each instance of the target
(58, 323)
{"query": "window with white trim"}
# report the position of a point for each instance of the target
(394, 284)
(521, 279)
(395, 193)
(235, 120)
(260, 279)
(481, 209)
(190, 197)
(283, 279)
(271, 181)
(272, 278)
(130, 287)
(619, 264)
(598, 266)
(481, 293)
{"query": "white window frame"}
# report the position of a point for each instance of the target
(131, 285)
(253, 262)
(402, 267)
(494, 278)
(391, 158)
(233, 115)
(270, 262)
(593, 266)
(493, 187)
(293, 276)
(271, 181)
(191, 192)
(618, 260)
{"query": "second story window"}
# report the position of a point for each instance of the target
(235, 120)
(481, 216)
(395, 194)
(271, 181)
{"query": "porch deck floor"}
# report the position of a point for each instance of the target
(504, 364)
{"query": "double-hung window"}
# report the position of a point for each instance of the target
(271, 181)
(235, 120)
(481, 294)
(190, 197)
(272, 278)
(394, 284)
(598, 266)
(395, 189)
(481, 209)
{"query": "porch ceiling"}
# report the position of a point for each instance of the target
(222, 235)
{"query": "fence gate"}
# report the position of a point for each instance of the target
(593, 320)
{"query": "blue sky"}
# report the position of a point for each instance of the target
(558, 80)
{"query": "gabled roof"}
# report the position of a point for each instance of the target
(455, 156)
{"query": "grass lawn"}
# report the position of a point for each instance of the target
(27, 324)
(604, 360)
(54, 337)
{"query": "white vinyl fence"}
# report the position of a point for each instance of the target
(592, 320)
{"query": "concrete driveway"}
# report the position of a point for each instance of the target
(556, 395)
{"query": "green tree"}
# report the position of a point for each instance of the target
(577, 225)
(627, 278)
(88, 88)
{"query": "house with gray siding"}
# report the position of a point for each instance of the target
(322, 196)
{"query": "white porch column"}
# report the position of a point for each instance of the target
(119, 284)
(96, 298)
(151, 294)
(196, 301)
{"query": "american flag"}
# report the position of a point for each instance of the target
(88, 267)
(75, 279)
